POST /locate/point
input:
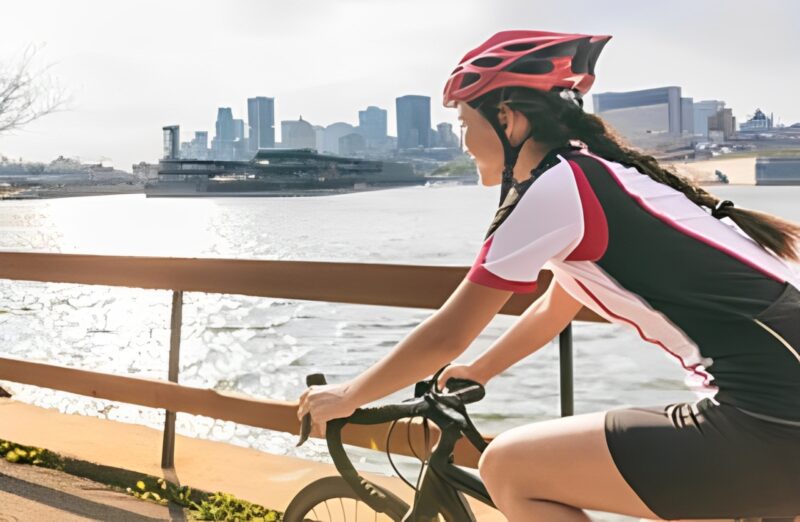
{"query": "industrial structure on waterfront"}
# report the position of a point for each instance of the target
(778, 171)
(273, 172)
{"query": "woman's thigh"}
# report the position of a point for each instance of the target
(564, 460)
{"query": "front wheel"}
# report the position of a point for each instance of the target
(331, 499)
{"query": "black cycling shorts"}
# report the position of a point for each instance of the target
(706, 460)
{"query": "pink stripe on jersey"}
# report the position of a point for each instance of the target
(595, 236)
(693, 368)
(666, 218)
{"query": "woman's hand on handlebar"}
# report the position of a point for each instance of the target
(460, 371)
(325, 402)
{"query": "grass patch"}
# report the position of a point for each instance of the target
(201, 505)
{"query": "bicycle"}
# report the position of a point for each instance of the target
(441, 484)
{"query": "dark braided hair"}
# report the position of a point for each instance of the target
(555, 121)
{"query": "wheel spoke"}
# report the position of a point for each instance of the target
(333, 492)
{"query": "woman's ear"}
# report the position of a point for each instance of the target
(506, 118)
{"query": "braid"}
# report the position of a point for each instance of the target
(556, 121)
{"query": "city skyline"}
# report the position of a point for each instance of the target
(134, 68)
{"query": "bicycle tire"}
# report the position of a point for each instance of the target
(331, 489)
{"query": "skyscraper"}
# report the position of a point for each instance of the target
(413, 121)
(238, 129)
(225, 127)
(372, 123)
(222, 144)
(171, 141)
(261, 122)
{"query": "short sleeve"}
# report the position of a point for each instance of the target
(546, 223)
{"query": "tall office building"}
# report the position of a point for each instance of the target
(198, 147)
(238, 129)
(413, 121)
(222, 144)
(201, 139)
(261, 123)
(372, 124)
(225, 127)
(171, 141)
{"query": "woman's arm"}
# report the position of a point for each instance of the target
(540, 323)
(433, 343)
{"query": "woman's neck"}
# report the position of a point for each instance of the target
(531, 154)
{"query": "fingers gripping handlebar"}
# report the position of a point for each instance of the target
(305, 424)
(445, 409)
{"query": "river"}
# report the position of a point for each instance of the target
(265, 347)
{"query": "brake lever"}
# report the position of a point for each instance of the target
(305, 425)
(425, 386)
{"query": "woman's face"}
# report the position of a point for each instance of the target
(482, 142)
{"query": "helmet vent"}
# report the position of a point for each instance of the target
(580, 62)
(528, 65)
(487, 61)
(560, 49)
(469, 79)
(520, 47)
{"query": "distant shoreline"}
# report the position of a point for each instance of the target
(12, 193)
(739, 170)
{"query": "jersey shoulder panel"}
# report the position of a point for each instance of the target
(545, 222)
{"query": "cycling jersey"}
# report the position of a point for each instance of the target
(640, 253)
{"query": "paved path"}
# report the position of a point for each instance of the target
(29, 493)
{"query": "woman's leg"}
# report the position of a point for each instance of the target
(552, 470)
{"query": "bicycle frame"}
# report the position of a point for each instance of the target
(443, 483)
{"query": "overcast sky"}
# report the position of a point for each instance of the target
(134, 66)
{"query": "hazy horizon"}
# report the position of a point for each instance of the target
(133, 67)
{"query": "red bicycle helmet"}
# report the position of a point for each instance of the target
(535, 59)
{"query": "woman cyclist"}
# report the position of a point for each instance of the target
(705, 281)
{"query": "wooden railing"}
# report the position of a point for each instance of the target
(358, 283)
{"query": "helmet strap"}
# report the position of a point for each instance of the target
(510, 155)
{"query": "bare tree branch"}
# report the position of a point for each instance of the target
(27, 94)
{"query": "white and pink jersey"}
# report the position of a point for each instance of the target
(640, 253)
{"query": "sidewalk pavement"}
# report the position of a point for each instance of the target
(263, 478)
(29, 493)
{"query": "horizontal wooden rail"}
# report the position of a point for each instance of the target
(412, 286)
(261, 413)
(358, 283)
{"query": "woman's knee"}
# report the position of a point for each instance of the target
(496, 463)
